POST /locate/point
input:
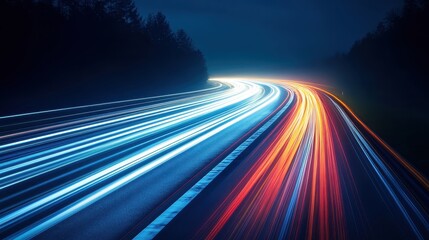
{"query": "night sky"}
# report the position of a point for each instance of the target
(268, 35)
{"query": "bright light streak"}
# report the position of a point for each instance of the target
(300, 182)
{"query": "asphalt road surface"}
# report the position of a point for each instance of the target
(246, 159)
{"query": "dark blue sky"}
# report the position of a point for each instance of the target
(258, 35)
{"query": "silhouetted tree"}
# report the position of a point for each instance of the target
(53, 49)
(158, 29)
(387, 72)
(396, 52)
(184, 42)
(124, 10)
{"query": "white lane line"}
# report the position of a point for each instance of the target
(49, 221)
(162, 220)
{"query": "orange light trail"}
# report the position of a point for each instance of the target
(294, 188)
(249, 159)
(299, 167)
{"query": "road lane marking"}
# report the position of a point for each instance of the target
(162, 220)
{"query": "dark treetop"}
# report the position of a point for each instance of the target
(85, 51)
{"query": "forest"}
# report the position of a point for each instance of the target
(385, 75)
(57, 53)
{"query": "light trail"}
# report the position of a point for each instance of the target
(177, 126)
(137, 130)
(292, 171)
(300, 183)
(293, 160)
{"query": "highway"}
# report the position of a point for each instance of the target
(248, 158)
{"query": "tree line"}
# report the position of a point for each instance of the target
(394, 57)
(83, 51)
(385, 77)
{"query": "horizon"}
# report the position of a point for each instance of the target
(260, 36)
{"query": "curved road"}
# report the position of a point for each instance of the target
(245, 159)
